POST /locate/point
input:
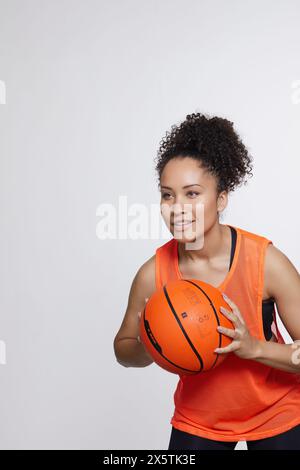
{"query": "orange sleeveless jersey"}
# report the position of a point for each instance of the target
(241, 399)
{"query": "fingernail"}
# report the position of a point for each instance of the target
(224, 295)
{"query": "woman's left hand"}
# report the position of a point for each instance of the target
(243, 343)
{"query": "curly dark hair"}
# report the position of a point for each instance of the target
(214, 142)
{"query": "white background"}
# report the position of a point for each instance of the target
(91, 88)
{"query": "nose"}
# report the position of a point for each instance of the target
(181, 210)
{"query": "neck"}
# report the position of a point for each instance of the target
(213, 245)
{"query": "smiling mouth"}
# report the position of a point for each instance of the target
(182, 224)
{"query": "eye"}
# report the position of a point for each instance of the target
(165, 195)
(193, 193)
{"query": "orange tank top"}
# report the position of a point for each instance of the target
(241, 399)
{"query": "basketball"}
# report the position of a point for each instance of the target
(179, 326)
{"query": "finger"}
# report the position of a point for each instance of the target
(230, 348)
(139, 318)
(233, 306)
(227, 331)
(229, 315)
(228, 300)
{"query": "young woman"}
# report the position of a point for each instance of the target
(254, 395)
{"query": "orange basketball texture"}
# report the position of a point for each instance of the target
(179, 326)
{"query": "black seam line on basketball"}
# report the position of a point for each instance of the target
(154, 345)
(216, 315)
(182, 328)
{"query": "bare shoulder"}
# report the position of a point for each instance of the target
(283, 284)
(145, 277)
(279, 270)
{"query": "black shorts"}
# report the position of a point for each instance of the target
(289, 440)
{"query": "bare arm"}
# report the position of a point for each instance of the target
(128, 350)
(283, 284)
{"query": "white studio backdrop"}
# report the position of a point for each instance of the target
(87, 90)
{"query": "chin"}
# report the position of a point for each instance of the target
(184, 238)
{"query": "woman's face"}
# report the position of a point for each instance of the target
(189, 201)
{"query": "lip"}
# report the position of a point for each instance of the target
(182, 224)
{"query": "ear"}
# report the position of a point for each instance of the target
(222, 201)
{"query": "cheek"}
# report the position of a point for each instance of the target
(165, 211)
(199, 209)
(204, 212)
(209, 205)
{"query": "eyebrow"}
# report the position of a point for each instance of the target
(183, 187)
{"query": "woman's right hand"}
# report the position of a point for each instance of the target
(139, 325)
(139, 320)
